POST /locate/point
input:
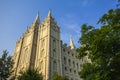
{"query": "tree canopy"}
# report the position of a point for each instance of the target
(30, 74)
(5, 65)
(103, 45)
(58, 77)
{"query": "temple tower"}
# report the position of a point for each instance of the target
(25, 50)
(48, 57)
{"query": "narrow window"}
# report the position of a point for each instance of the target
(68, 52)
(63, 50)
(70, 70)
(54, 53)
(54, 44)
(77, 66)
(69, 61)
(65, 68)
(75, 71)
(55, 66)
(65, 60)
(73, 64)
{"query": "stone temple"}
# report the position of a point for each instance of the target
(40, 47)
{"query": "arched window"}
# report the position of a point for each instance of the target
(69, 61)
(70, 70)
(77, 66)
(74, 71)
(65, 60)
(65, 68)
(73, 64)
(63, 50)
(54, 44)
(54, 66)
(54, 53)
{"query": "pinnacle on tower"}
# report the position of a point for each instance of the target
(37, 19)
(49, 14)
(72, 46)
(50, 18)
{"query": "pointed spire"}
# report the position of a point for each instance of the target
(72, 46)
(49, 19)
(37, 19)
(49, 13)
(49, 16)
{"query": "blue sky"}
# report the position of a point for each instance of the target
(16, 15)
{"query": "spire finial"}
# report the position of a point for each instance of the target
(38, 13)
(49, 12)
(72, 46)
(37, 19)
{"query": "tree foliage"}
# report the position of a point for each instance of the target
(57, 77)
(5, 65)
(30, 74)
(103, 45)
(118, 4)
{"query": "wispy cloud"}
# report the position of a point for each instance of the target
(82, 3)
(70, 26)
(87, 2)
(70, 23)
(73, 27)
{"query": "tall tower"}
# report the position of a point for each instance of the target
(40, 48)
(48, 57)
(25, 50)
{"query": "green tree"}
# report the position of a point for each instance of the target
(57, 77)
(103, 46)
(118, 4)
(30, 74)
(5, 65)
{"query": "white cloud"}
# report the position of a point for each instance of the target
(69, 22)
(70, 26)
(84, 3)
(87, 2)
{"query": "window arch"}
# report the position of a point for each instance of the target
(65, 60)
(54, 43)
(69, 61)
(77, 66)
(73, 64)
(55, 66)
(54, 53)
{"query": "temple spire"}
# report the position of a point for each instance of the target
(37, 19)
(72, 46)
(50, 19)
(49, 13)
